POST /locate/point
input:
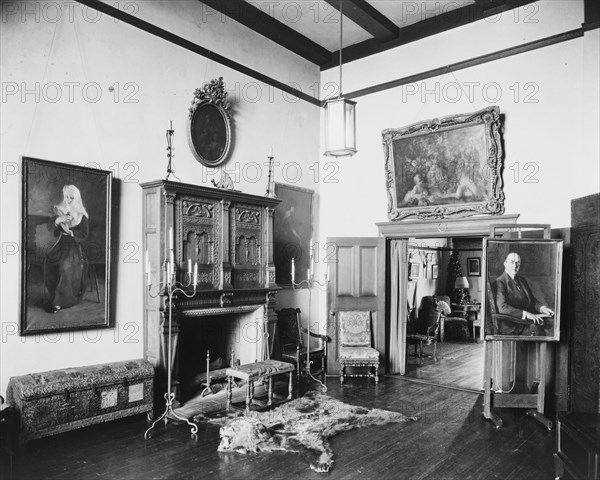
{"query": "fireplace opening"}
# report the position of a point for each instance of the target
(227, 337)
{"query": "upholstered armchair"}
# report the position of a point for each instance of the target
(293, 346)
(354, 330)
(424, 332)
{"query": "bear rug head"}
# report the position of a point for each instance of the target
(303, 425)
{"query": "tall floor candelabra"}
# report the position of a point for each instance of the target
(171, 289)
(310, 283)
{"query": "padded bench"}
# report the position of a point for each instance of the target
(258, 371)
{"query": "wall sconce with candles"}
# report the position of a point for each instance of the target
(340, 117)
(171, 288)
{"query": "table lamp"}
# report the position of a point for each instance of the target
(461, 290)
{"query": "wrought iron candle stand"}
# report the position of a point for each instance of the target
(270, 193)
(310, 283)
(170, 148)
(171, 288)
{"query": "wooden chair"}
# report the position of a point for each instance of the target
(293, 346)
(354, 330)
(431, 315)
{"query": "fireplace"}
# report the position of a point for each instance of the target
(229, 235)
(228, 338)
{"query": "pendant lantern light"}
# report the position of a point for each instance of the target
(340, 118)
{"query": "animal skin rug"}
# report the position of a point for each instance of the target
(303, 425)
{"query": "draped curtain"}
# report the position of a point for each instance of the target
(398, 285)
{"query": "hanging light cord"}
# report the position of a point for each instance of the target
(341, 34)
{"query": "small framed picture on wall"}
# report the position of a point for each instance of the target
(473, 267)
(434, 271)
(413, 272)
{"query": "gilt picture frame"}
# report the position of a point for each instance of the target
(293, 219)
(523, 280)
(66, 257)
(445, 168)
(210, 129)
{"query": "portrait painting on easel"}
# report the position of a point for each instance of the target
(523, 289)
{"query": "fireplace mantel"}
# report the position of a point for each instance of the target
(229, 234)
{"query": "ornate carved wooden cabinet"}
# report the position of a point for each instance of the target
(230, 236)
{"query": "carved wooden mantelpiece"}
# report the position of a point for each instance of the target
(229, 235)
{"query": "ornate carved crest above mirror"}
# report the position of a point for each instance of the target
(209, 124)
(445, 168)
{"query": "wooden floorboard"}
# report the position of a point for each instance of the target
(450, 441)
(459, 364)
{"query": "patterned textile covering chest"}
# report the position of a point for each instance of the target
(56, 401)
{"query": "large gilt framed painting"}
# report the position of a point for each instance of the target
(523, 288)
(445, 168)
(65, 247)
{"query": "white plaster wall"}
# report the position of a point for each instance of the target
(548, 97)
(124, 131)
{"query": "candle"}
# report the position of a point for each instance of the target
(172, 263)
(293, 271)
(195, 274)
(170, 124)
(308, 274)
(189, 270)
(168, 273)
(271, 152)
(171, 238)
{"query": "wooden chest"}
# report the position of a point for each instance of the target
(52, 402)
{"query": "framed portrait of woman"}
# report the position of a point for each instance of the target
(65, 247)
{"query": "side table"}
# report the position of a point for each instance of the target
(470, 310)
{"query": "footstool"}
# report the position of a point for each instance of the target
(258, 371)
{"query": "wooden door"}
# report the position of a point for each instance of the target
(353, 264)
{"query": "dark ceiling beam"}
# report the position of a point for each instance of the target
(485, 4)
(147, 27)
(472, 62)
(591, 13)
(368, 18)
(263, 23)
(425, 28)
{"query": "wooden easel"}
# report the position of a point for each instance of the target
(534, 400)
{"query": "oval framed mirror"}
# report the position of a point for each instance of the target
(209, 124)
